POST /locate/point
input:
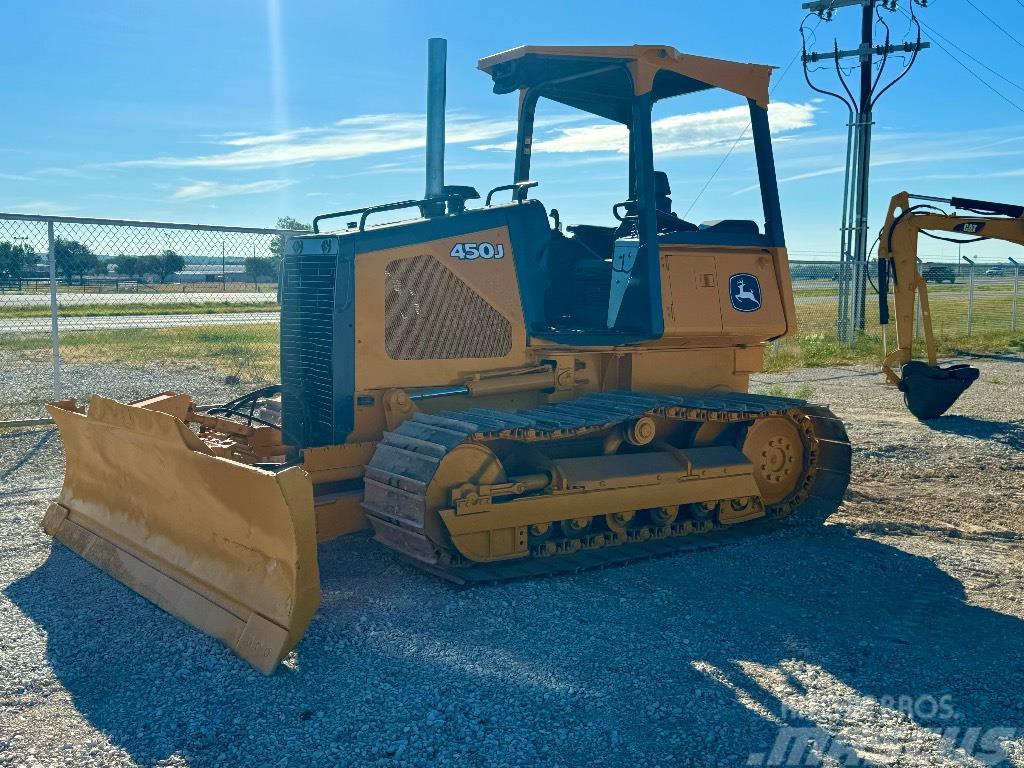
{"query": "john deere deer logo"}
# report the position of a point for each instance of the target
(744, 292)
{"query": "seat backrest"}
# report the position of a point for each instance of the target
(662, 190)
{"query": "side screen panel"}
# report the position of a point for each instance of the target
(433, 313)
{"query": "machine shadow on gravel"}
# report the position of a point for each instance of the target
(1008, 433)
(618, 658)
(26, 456)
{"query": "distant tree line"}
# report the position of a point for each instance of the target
(163, 265)
(76, 260)
(15, 261)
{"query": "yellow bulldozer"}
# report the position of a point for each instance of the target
(494, 395)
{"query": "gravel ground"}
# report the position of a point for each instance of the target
(893, 633)
(27, 383)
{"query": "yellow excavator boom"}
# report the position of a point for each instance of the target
(930, 389)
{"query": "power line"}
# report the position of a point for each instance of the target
(742, 134)
(935, 33)
(714, 173)
(978, 77)
(854, 232)
(995, 23)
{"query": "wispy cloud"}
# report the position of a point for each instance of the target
(202, 190)
(695, 133)
(14, 177)
(346, 139)
(797, 177)
(907, 149)
(41, 207)
(64, 173)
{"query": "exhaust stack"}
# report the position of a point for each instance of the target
(437, 56)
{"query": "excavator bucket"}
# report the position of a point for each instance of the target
(930, 390)
(227, 547)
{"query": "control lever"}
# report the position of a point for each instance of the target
(623, 260)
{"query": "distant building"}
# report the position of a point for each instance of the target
(211, 273)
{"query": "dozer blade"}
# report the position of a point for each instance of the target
(930, 390)
(227, 547)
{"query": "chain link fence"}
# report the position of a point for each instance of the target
(128, 308)
(976, 307)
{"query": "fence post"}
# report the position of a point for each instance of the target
(970, 296)
(1016, 283)
(855, 294)
(54, 335)
(917, 306)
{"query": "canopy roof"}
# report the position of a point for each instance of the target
(592, 78)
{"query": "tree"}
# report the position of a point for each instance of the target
(74, 259)
(147, 265)
(265, 267)
(15, 260)
(127, 266)
(286, 222)
(167, 263)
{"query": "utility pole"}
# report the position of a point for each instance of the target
(854, 237)
(865, 120)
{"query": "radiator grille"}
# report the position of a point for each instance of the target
(430, 314)
(307, 348)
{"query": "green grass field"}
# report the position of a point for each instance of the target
(247, 351)
(43, 287)
(124, 310)
(989, 286)
(251, 351)
(815, 344)
(138, 306)
(816, 350)
(949, 315)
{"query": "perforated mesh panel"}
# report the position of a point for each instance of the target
(430, 314)
(307, 348)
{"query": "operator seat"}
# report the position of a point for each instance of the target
(667, 220)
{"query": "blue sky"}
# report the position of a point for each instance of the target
(239, 112)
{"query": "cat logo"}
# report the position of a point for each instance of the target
(970, 227)
(744, 292)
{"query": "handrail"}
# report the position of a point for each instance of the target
(365, 212)
(335, 215)
(398, 206)
(519, 195)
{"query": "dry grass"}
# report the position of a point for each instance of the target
(247, 351)
(251, 351)
(141, 308)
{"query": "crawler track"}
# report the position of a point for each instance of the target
(402, 505)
